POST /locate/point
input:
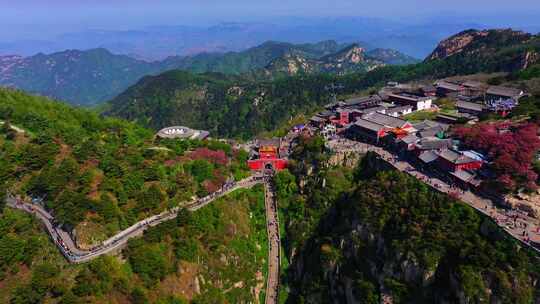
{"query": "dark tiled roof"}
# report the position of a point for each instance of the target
(365, 124)
(434, 143)
(470, 106)
(433, 131)
(409, 139)
(385, 120)
(504, 91)
(399, 109)
(363, 100)
(449, 86)
(408, 97)
(467, 177)
(447, 117)
(325, 114)
(317, 119)
(428, 88)
(455, 157)
(428, 156)
(374, 109)
(474, 84)
(426, 124)
(368, 110)
(463, 175)
(269, 142)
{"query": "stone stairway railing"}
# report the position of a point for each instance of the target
(68, 247)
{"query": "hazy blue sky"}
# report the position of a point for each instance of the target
(43, 17)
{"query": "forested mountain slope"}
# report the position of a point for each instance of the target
(241, 107)
(103, 174)
(97, 176)
(350, 59)
(226, 106)
(94, 76)
(81, 77)
(372, 234)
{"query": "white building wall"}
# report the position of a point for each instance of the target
(424, 105)
(407, 111)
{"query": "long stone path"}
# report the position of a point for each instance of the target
(272, 227)
(15, 128)
(74, 254)
(518, 225)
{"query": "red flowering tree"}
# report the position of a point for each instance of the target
(512, 147)
(216, 157)
(214, 184)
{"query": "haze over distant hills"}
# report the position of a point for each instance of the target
(159, 42)
(96, 75)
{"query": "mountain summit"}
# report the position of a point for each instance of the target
(349, 59)
(351, 54)
(471, 40)
(496, 50)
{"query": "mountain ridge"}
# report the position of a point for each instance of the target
(93, 76)
(349, 59)
(262, 105)
(485, 43)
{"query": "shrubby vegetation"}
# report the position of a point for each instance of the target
(218, 246)
(105, 171)
(529, 107)
(376, 231)
(222, 242)
(105, 174)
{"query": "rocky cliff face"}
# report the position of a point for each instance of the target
(291, 64)
(349, 59)
(7, 62)
(477, 41)
(392, 240)
(351, 54)
(455, 44)
(530, 58)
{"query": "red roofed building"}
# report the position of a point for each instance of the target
(453, 161)
(268, 156)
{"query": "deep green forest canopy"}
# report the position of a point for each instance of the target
(380, 231)
(107, 173)
(33, 271)
(100, 175)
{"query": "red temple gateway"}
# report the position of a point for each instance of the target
(267, 156)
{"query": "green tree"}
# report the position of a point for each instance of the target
(148, 261)
(366, 292)
(150, 199)
(285, 184)
(184, 218)
(108, 208)
(138, 296)
(201, 170)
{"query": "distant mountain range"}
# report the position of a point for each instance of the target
(232, 106)
(93, 76)
(160, 42)
(80, 77)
